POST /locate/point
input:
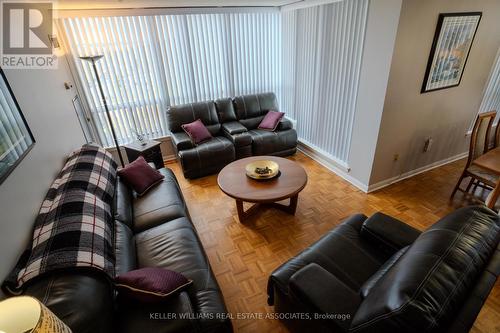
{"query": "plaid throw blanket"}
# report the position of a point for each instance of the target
(74, 227)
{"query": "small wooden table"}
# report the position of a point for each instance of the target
(150, 151)
(491, 162)
(234, 182)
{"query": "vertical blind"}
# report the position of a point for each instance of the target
(151, 62)
(322, 50)
(491, 97)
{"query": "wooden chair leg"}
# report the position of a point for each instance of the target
(472, 181)
(462, 176)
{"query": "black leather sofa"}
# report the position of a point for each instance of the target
(378, 274)
(154, 230)
(233, 124)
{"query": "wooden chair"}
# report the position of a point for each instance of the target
(479, 144)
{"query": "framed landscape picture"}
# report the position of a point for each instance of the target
(450, 48)
(16, 139)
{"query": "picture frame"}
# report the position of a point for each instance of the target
(16, 138)
(453, 39)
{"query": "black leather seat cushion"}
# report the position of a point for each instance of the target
(162, 203)
(425, 288)
(175, 245)
(164, 317)
(82, 299)
(341, 252)
(268, 143)
(207, 157)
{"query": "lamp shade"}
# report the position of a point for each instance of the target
(26, 314)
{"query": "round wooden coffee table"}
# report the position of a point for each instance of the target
(234, 182)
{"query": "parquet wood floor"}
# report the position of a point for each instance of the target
(243, 255)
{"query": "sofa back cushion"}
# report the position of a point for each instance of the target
(425, 288)
(225, 110)
(187, 113)
(251, 109)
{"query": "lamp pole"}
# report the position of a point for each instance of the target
(93, 60)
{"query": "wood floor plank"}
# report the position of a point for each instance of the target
(243, 255)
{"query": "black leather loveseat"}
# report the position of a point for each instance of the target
(154, 230)
(233, 124)
(378, 274)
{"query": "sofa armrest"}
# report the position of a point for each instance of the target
(284, 124)
(181, 141)
(388, 233)
(233, 127)
(325, 295)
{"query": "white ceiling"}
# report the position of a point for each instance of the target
(102, 4)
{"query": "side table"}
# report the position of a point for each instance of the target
(150, 151)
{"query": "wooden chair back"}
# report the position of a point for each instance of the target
(479, 141)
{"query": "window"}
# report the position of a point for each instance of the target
(151, 62)
(15, 136)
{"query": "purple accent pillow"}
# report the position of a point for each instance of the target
(140, 176)
(150, 284)
(197, 131)
(271, 120)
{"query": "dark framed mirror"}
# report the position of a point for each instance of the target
(16, 139)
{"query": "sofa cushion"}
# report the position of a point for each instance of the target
(161, 204)
(164, 317)
(82, 299)
(208, 157)
(123, 203)
(428, 284)
(251, 109)
(150, 284)
(372, 281)
(271, 120)
(186, 256)
(140, 176)
(341, 252)
(225, 110)
(126, 259)
(268, 143)
(197, 131)
(183, 114)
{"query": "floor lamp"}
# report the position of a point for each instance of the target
(93, 60)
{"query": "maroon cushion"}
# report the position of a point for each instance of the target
(140, 175)
(271, 120)
(150, 284)
(197, 131)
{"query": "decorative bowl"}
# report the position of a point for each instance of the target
(262, 169)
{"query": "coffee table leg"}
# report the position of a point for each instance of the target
(293, 204)
(290, 208)
(239, 208)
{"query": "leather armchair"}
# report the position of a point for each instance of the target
(378, 274)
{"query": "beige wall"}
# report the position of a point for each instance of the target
(409, 117)
(49, 113)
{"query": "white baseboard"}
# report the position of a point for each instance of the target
(331, 163)
(342, 169)
(390, 181)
